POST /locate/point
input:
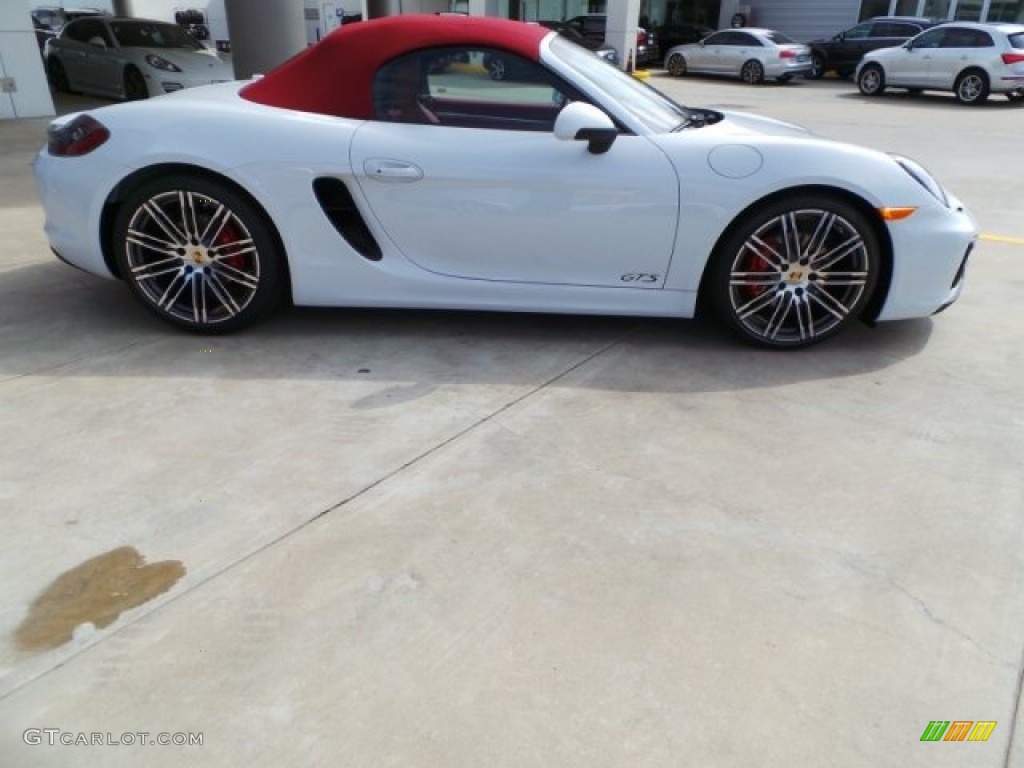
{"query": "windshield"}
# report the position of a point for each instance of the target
(142, 34)
(597, 77)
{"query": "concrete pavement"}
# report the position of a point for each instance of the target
(422, 539)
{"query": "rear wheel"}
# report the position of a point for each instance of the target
(795, 272)
(676, 65)
(134, 85)
(971, 87)
(871, 80)
(198, 254)
(752, 72)
(58, 76)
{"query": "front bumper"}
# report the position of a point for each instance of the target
(930, 257)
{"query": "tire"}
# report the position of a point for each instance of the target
(198, 254)
(135, 88)
(971, 87)
(817, 70)
(752, 72)
(871, 80)
(57, 74)
(676, 65)
(795, 272)
(496, 68)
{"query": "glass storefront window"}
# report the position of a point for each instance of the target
(936, 9)
(905, 8)
(968, 10)
(871, 8)
(1007, 10)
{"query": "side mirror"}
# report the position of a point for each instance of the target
(580, 121)
(98, 41)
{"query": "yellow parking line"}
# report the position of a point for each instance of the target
(1002, 239)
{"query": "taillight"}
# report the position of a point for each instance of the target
(1013, 58)
(79, 137)
(785, 53)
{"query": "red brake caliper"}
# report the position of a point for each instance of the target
(228, 234)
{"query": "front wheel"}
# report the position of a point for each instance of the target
(198, 254)
(795, 272)
(752, 72)
(58, 75)
(676, 65)
(817, 70)
(871, 80)
(135, 88)
(971, 87)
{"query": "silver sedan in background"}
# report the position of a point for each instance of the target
(130, 58)
(750, 54)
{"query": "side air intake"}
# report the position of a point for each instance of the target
(340, 208)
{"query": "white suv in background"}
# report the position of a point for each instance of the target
(971, 60)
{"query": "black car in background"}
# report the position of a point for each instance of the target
(671, 35)
(594, 25)
(844, 51)
(600, 47)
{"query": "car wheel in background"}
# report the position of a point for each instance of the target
(971, 87)
(783, 79)
(676, 65)
(134, 85)
(795, 272)
(1016, 96)
(198, 254)
(496, 68)
(871, 80)
(752, 72)
(817, 70)
(58, 77)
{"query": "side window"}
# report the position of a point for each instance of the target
(746, 39)
(886, 29)
(717, 39)
(469, 88)
(982, 39)
(859, 32)
(930, 39)
(78, 31)
(965, 38)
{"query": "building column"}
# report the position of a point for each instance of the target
(23, 88)
(264, 33)
(483, 7)
(623, 23)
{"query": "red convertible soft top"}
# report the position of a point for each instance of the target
(335, 76)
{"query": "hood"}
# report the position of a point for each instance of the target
(746, 124)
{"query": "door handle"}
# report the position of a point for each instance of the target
(392, 170)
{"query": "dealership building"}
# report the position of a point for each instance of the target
(265, 32)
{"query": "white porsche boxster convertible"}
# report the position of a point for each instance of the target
(384, 167)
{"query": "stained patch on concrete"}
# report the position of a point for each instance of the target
(394, 396)
(95, 592)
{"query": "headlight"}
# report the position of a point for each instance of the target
(922, 177)
(161, 63)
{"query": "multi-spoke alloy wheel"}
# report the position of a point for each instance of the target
(197, 254)
(797, 272)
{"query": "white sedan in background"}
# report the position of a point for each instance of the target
(750, 54)
(130, 58)
(363, 173)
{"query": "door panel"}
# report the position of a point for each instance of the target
(520, 206)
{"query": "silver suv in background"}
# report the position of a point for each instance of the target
(971, 60)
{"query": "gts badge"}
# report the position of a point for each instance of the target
(640, 277)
